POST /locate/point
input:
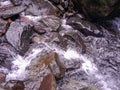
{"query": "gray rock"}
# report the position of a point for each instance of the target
(52, 23)
(12, 11)
(18, 35)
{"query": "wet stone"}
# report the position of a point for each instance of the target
(12, 11)
(18, 35)
(52, 23)
(48, 83)
(2, 77)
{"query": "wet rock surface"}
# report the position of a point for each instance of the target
(41, 51)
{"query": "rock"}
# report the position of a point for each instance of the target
(6, 54)
(41, 7)
(39, 29)
(2, 77)
(18, 35)
(85, 27)
(74, 36)
(2, 27)
(90, 88)
(16, 2)
(50, 60)
(52, 23)
(38, 38)
(48, 83)
(14, 85)
(12, 11)
(55, 39)
(72, 84)
(97, 9)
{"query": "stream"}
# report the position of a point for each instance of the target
(98, 67)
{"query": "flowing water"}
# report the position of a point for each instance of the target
(85, 62)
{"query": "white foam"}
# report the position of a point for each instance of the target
(87, 65)
(5, 3)
(67, 27)
(18, 69)
(33, 18)
(19, 66)
(71, 54)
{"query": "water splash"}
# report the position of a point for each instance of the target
(71, 54)
(19, 66)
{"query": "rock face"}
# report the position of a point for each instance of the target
(97, 8)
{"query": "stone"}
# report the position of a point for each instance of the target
(38, 38)
(90, 88)
(12, 11)
(6, 54)
(41, 7)
(87, 28)
(74, 36)
(18, 35)
(2, 77)
(16, 2)
(39, 29)
(50, 60)
(14, 85)
(2, 27)
(97, 9)
(52, 23)
(48, 83)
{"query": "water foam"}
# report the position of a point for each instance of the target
(19, 66)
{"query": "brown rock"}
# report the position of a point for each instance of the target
(48, 83)
(50, 60)
(2, 77)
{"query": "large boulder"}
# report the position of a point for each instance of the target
(18, 35)
(97, 8)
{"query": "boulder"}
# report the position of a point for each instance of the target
(50, 60)
(87, 28)
(12, 11)
(48, 83)
(52, 23)
(97, 9)
(18, 35)
(75, 37)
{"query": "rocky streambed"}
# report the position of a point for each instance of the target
(47, 45)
